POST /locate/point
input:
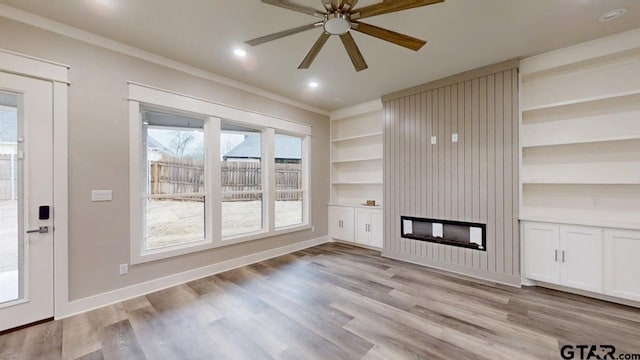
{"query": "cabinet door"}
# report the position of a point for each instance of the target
(376, 231)
(541, 251)
(362, 234)
(347, 224)
(581, 257)
(621, 264)
(335, 231)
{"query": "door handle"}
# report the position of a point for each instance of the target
(40, 230)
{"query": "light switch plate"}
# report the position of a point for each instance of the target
(124, 269)
(434, 140)
(101, 195)
(454, 137)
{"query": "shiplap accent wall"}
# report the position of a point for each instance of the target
(475, 179)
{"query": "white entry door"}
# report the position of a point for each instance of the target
(26, 193)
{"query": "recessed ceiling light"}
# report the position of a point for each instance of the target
(240, 52)
(612, 15)
(313, 84)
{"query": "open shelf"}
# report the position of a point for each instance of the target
(612, 119)
(579, 100)
(357, 183)
(356, 160)
(357, 137)
(353, 205)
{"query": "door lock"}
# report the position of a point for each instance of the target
(40, 230)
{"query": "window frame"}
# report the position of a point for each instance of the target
(147, 97)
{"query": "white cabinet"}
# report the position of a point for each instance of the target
(341, 223)
(564, 255)
(368, 227)
(581, 257)
(622, 263)
(541, 246)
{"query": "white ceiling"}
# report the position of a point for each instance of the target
(461, 34)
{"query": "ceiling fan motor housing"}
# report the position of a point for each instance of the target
(337, 23)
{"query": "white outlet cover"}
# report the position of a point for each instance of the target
(101, 195)
(124, 269)
(454, 137)
(434, 140)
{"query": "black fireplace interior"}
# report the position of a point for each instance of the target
(456, 233)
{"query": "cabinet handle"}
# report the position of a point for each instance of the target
(368, 227)
(562, 255)
(556, 255)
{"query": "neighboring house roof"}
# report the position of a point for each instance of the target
(8, 127)
(287, 147)
(154, 144)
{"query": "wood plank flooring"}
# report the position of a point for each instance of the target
(333, 301)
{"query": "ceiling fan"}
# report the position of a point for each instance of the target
(341, 16)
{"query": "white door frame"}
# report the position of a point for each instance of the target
(58, 75)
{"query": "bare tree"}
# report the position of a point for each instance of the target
(180, 141)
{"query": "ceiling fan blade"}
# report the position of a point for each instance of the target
(315, 50)
(281, 34)
(347, 5)
(330, 5)
(295, 7)
(353, 51)
(390, 36)
(389, 6)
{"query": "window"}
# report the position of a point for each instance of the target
(205, 175)
(289, 189)
(241, 180)
(174, 206)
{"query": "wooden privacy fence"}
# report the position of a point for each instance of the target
(240, 180)
(8, 171)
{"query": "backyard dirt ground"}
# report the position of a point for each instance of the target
(170, 222)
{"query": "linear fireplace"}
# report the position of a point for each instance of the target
(455, 233)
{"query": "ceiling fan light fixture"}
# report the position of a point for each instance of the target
(337, 23)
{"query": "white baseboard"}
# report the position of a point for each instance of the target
(598, 296)
(484, 275)
(111, 297)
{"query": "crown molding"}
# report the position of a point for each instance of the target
(97, 40)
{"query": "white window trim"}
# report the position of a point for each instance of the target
(212, 112)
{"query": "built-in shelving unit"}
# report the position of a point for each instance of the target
(356, 155)
(580, 138)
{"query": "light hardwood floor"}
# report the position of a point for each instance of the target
(333, 302)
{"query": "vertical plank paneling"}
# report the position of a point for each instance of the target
(499, 172)
(474, 179)
(475, 162)
(412, 137)
(429, 164)
(515, 111)
(491, 171)
(508, 181)
(454, 163)
(461, 170)
(396, 171)
(423, 163)
(483, 162)
(468, 161)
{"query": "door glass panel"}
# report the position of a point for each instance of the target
(11, 239)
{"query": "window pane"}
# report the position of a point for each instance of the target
(11, 239)
(174, 221)
(241, 179)
(241, 216)
(289, 195)
(174, 179)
